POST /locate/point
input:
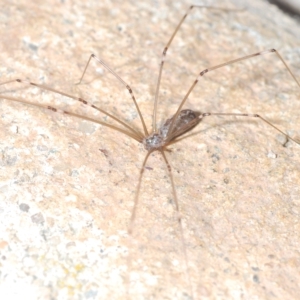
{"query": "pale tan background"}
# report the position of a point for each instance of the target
(67, 186)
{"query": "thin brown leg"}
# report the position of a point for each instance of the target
(132, 219)
(132, 132)
(105, 65)
(179, 222)
(205, 71)
(254, 116)
(239, 115)
(164, 53)
(57, 110)
(136, 199)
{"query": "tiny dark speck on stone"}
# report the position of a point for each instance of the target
(24, 207)
(33, 47)
(37, 218)
(148, 168)
(215, 158)
(255, 278)
(226, 180)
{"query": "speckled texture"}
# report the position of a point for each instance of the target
(67, 186)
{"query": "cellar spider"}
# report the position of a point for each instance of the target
(172, 130)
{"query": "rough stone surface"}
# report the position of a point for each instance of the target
(237, 185)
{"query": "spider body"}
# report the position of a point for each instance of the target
(186, 120)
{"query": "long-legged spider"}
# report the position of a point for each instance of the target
(166, 135)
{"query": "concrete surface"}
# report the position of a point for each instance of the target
(67, 186)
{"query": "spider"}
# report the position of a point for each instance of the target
(172, 130)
